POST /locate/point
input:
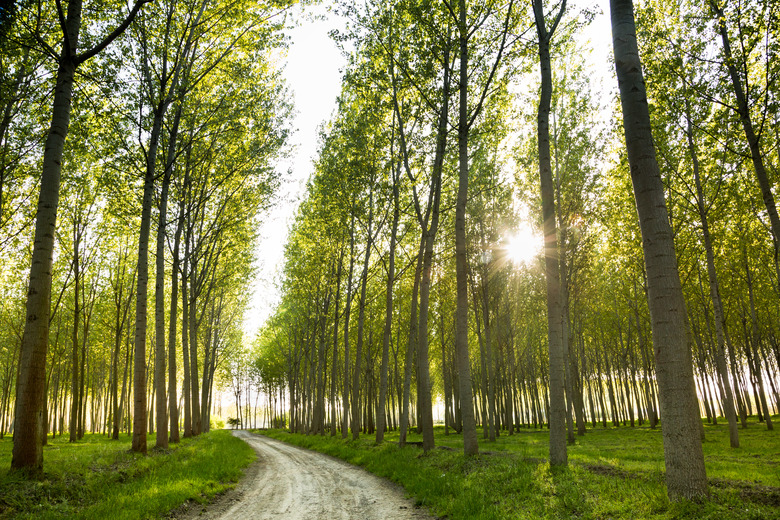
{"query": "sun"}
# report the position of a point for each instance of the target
(522, 245)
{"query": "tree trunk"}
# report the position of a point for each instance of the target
(185, 345)
(334, 362)
(74, 386)
(411, 342)
(685, 473)
(381, 415)
(470, 445)
(193, 345)
(161, 412)
(348, 307)
(361, 323)
(173, 409)
(118, 326)
(558, 455)
(142, 270)
(754, 361)
(30, 387)
(720, 319)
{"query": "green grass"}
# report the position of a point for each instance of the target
(612, 473)
(99, 478)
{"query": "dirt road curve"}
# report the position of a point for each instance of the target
(297, 484)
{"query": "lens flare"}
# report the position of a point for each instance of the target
(522, 246)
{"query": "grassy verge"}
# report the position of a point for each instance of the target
(613, 473)
(99, 478)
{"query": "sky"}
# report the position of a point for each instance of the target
(313, 74)
(313, 69)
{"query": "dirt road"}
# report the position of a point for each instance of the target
(297, 484)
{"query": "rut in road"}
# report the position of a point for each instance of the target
(297, 484)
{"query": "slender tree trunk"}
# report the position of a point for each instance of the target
(488, 375)
(361, 323)
(381, 415)
(754, 344)
(558, 455)
(319, 424)
(142, 270)
(173, 409)
(423, 368)
(82, 372)
(115, 370)
(208, 359)
(185, 335)
(334, 362)
(193, 337)
(470, 445)
(685, 473)
(161, 412)
(418, 330)
(139, 375)
(720, 319)
(74, 386)
(411, 342)
(348, 307)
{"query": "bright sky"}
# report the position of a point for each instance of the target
(313, 73)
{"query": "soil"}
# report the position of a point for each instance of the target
(296, 484)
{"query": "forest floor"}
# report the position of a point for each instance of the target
(615, 473)
(99, 478)
(298, 484)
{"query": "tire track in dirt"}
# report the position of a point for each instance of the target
(298, 484)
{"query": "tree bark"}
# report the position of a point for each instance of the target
(381, 415)
(161, 412)
(429, 237)
(361, 322)
(410, 343)
(470, 445)
(142, 282)
(334, 362)
(173, 408)
(74, 386)
(684, 458)
(754, 360)
(193, 346)
(30, 388)
(347, 309)
(558, 455)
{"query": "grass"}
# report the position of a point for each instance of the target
(99, 478)
(612, 473)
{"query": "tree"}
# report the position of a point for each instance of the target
(466, 119)
(552, 263)
(27, 452)
(685, 473)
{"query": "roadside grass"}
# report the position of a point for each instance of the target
(97, 478)
(612, 473)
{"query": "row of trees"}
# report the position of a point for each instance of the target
(174, 114)
(403, 282)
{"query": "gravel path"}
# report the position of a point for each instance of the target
(298, 484)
